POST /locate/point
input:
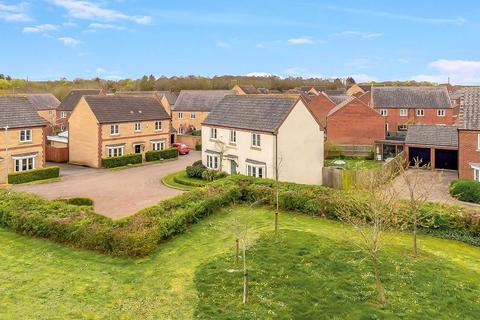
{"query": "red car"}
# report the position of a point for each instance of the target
(181, 147)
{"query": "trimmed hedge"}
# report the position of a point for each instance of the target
(465, 190)
(161, 154)
(140, 234)
(78, 201)
(121, 161)
(187, 181)
(34, 175)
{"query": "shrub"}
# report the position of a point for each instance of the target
(198, 146)
(121, 161)
(78, 201)
(465, 190)
(161, 154)
(209, 174)
(33, 175)
(196, 170)
(187, 181)
(221, 175)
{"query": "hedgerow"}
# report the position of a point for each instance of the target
(34, 175)
(121, 161)
(139, 235)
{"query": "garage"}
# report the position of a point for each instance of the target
(422, 154)
(446, 159)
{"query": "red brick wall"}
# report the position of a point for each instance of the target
(467, 152)
(355, 124)
(394, 119)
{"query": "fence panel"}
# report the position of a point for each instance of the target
(56, 154)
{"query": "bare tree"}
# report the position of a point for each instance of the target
(221, 147)
(278, 165)
(419, 188)
(371, 214)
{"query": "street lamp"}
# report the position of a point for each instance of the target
(6, 151)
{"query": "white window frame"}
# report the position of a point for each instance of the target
(476, 172)
(114, 130)
(478, 142)
(256, 140)
(158, 126)
(26, 135)
(26, 163)
(255, 170)
(213, 133)
(115, 151)
(420, 112)
(180, 130)
(137, 127)
(402, 127)
(440, 112)
(403, 112)
(383, 112)
(158, 145)
(180, 115)
(212, 162)
(63, 114)
(193, 115)
(233, 137)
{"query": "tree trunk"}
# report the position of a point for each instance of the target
(237, 250)
(276, 210)
(245, 277)
(415, 236)
(378, 282)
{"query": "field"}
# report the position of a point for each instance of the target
(313, 272)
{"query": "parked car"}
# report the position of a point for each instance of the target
(181, 147)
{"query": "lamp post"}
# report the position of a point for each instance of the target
(6, 152)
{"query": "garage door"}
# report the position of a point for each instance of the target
(446, 159)
(423, 154)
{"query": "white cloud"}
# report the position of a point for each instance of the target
(90, 11)
(71, 42)
(300, 41)
(364, 35)
(14, 12)
(259, 74)
(105, 26)
(223, 44)
(40, 28)
(459, 71)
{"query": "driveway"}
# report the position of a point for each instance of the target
(116, 193)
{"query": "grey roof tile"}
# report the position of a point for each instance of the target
(18, 112)
(111, 109)
(171, 97)
(432, 135)
(252, 112)
(411, 97)
(43, 101)
(71, 100)
(469, 114)
(338, 98)
(199, 100)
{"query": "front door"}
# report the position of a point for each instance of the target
(138, 148)
(233, 167)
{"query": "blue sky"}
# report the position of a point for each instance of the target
(371, 40)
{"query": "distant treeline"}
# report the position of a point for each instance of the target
(61, 87)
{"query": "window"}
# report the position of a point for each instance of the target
(402, 127)
(420, 112)
(158, 145)
(115, 151)
(476, 173)
(158, 125)
(440, 112)
(24, 163)
(478, 142)
(180, 130)
(383, 112)
(403, 112)
(233, 136)
(138, 127)
(212, 162)
(63, 114)
(256, 140)
(114, 129)
(180, 115)
(193, 115)
(213, 133)
(257, 171)
(25, 135)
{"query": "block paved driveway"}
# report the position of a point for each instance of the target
(116, 193)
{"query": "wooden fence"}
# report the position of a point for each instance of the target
(56, 154)
(334, 151)
(339, 178)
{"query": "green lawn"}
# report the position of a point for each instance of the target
(356, 164)
(314, 271)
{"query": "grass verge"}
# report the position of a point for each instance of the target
(128, 166)
(180, 180)
(57, 179)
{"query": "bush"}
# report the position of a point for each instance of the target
(33, 175)
(121, 161)
(196, 170)
(465, 190)
(209, 175)
(78, 201)
(161, 154)
(187, 181)
(198, 146)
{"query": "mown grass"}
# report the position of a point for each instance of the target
(352, 164)
(43, 280)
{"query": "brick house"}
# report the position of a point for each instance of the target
(251, 134)
(110, 126)
(46, 106)
(469, 136)
(320, 106)
(65, 109)
(166, 98)
(402, 106)
(23, 136)
(245, 89)
(352, 122)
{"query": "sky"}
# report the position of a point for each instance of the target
(369, 40)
